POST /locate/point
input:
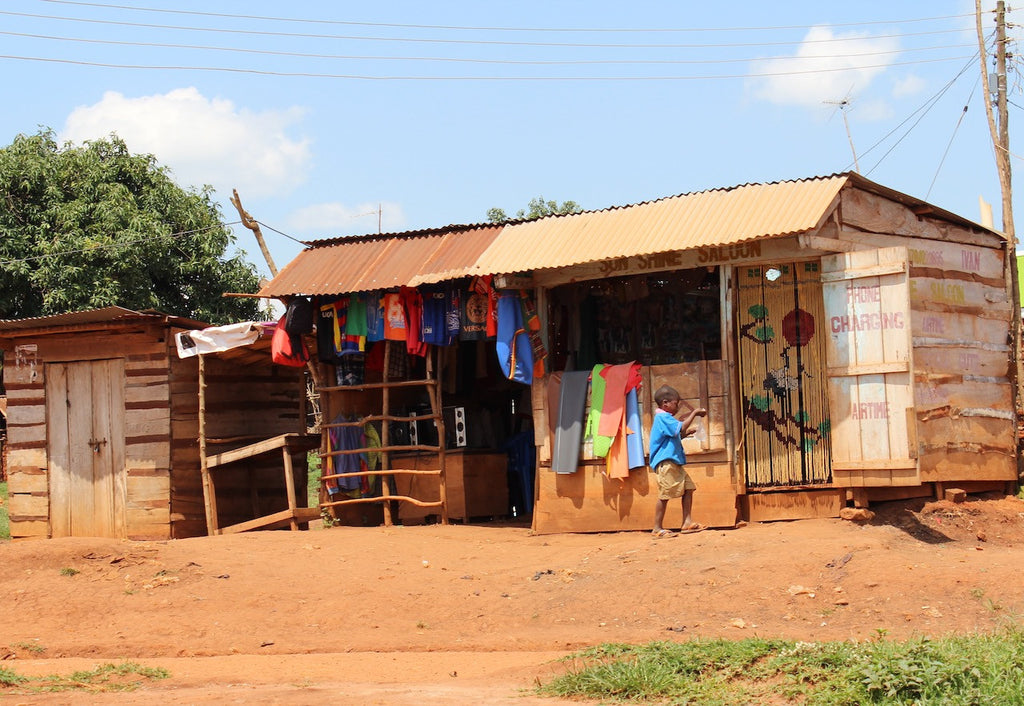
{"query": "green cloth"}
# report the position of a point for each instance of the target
(602, 444)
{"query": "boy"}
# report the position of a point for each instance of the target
(668, 459)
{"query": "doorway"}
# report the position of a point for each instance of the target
(785, 413)
(85, 420)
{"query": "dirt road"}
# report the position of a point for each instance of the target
(477, 613)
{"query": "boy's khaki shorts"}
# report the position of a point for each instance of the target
(673, 480)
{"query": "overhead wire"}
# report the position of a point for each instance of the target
(117, 244)
(486, 28)
(949, 144)
(559, 62)
(472, 42)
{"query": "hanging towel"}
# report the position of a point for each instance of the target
(572, 403)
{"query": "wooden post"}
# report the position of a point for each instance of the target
(209, 489)
(385, 436)
(434, 390)
(289, 481)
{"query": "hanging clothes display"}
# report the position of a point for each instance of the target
(572, 402)
(515, 356)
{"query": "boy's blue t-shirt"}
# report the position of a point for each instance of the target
(666, 444)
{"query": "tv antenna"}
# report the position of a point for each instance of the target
(842, 105)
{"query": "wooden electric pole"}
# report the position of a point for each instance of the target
(251, 223)
(1000, 131)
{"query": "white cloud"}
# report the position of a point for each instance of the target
(333, 218)
(907, 86)
(202, 140)
(826, 67)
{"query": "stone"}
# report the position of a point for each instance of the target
(956, 495)
(856, 514)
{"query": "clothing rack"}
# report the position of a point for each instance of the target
(433, 389)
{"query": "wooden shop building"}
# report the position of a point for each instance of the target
(107, 426)
(849, 341)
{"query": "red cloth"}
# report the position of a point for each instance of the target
(616, 378)
(413, 304)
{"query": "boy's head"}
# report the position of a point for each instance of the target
(667, 396)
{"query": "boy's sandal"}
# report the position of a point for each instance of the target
(691, 529)
(662, 534)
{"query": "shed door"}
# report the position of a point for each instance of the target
(870, 367)
(85, 416)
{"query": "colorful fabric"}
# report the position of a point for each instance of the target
(413, 303)
(375, 317)
(434, 329)
(515, 355)
(394, 317)
(597, 387)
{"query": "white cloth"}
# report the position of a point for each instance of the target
(215, 339)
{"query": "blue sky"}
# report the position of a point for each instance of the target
(325, 115)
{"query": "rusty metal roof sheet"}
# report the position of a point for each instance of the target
(367, 263)
(701, 219)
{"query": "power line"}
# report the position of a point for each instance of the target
(514, 62)
(300, 242)
(367, 77)
(492, 29)
(119, 243)
(474, 42)
(923, 107)
(952, 137)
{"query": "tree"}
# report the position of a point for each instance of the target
(94, 226)
(538, 208)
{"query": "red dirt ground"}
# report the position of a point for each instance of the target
(460, 614)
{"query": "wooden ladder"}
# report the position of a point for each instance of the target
(433, 389)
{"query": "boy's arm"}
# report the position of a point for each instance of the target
(685, 430)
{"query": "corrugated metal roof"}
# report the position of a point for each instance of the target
(706, 218)
(93, 316)
(366, 263)
(701, 219)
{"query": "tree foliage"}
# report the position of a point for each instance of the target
(538, 208)
(93, 226)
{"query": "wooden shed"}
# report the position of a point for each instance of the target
(103, 427)
(849, 341)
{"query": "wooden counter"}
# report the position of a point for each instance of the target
(477, 483)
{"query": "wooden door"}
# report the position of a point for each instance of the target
(85, 420)
(870, 354)
(785, 414)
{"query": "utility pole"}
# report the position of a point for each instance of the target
(251, 223)
(1000, 132)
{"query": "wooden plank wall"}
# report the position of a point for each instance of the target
(589, 501)
(250, 400)
(960, 319)
(146, 430)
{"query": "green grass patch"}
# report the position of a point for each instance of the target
(126, 676)
(11, 678)
(313, 479)
(5, 520)
(960, 669)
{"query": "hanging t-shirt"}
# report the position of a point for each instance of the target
(434, 330)
(515, 355)
(394, 317)
(474, 316)
(325, 350)
(452, 313)
(413, 304)
(374, 317)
